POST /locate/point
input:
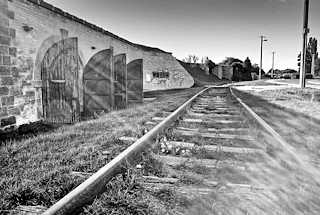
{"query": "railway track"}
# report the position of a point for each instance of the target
(207, 148)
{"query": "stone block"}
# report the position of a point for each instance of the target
(15, 90)
(14, 111)
(13, 52)
(4, 31)
(4, 3)
(15, 72)
(3, 112)
(4, 70)
(5, 40)
(12, 33)
(36, 83)
(4, 50)
(4, 91)
(7, 80)
(8, 121)
(4, 11)
(30, 94)
(7, 100)
(4, 21)
(10, 14)
(26, 83)
(6, 60)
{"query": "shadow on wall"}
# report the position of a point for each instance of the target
(101, 87)
(111, 84)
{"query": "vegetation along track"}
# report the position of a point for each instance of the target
(206, 149)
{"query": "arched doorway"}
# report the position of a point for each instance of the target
(97, 79)
(120, 81)
(59, 74)
(135, 81)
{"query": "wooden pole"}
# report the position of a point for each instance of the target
(304, 45)
(261, 52)
(262, 39)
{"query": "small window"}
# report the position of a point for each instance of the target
(155, 74)
(161, 74)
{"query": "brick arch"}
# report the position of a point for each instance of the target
(42, 50)
(97, 83)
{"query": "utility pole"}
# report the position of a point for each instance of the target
(272, 71)
(262, 39)
(305, 43)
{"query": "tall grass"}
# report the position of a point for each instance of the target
(37, 170)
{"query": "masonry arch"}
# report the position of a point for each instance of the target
(97, 83)
(46, 44)
(60, 85)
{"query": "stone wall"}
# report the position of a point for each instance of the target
(28, 28)
(9, 107)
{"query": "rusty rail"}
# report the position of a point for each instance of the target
(95, 185)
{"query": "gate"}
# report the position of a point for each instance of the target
(135, 81)
(97, 79)
(120, 81)
(59, 74)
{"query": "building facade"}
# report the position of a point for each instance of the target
(44, 49)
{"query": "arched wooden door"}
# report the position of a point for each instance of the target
(59, 72)
(135, 81)
(120, 81)
(97, 79)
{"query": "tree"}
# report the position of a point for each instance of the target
(194, 58)
(210, 64)
(247, 64)
(313, 48)
(230, 60)
(247, 69)
(191, 59)
(311, 56)
(255, 69)
(308, 61)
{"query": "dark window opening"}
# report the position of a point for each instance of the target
(161, 74)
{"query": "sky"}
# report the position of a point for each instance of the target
(213, 28)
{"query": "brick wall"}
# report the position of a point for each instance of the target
(8, 53)
(30, 27)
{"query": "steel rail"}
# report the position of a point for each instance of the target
(86, 192)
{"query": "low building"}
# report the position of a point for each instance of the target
(53, 63)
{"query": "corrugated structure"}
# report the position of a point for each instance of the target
(55, 66)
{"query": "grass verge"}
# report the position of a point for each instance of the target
(37, 170)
